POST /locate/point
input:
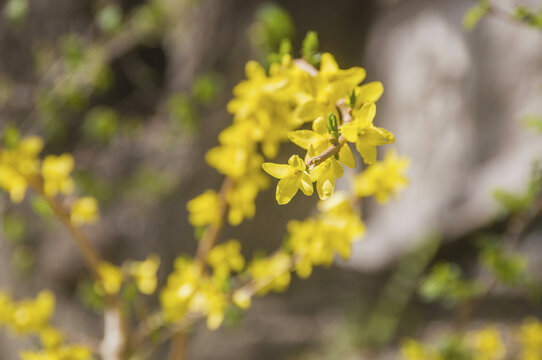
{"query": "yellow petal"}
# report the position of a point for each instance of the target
(336, 169)
(370, 92)
(328, 63)
(346, 156)
(308, 111)
(350, 131)
(286, 189)
(367, 151)
(276, 170)
(366, 115)
(378, 136)
(296, 162)
(303, 138)
(305, 184)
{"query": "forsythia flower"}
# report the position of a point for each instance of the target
(318, 139)
(366, 93)
(110, 277)
(383, 179)
(18, 164)
(204, 209)
(530, 337)
(85, 211)
(225, 258)
(188, 290)
(487, 344)
(32, 316)
(144, 273)
(366, 136)
(272, 273)
(413, 350)
(315, 241)
(56, 174)
(292, 178)
(325, 175)
(63, 352)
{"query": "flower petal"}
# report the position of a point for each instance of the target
(286, 189)
(366, 115)
(378, 136)
(346, 156)
(303, 138)
(296, 162)
(370, 92)
(350, 131)
(305, 184)
(367, 151)
(276, 170)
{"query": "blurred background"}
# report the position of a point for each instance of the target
(137, 91)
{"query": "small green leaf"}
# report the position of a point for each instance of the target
(11, 136)
(16, 10)
(41, 207)
(309, 48)
(533, 122)
(109, 18)
(474, 14)
(13, 228)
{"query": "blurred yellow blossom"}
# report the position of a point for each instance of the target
(487, 344)
(33, 315)
(225, 258)
(271, 273)
(530, 338)
(18, 164)
(144, 273)
(63, 352)
(383, 179)
(56, 172)
(110, 277)
(85, 211)
(204, 209)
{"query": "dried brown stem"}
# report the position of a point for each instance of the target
(334, 149)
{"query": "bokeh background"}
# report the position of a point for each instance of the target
(139, 96)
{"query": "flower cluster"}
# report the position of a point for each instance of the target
(32, 317)
(21, 167)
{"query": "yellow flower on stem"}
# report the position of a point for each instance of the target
(225, 258)
(111, 277)
(204, 209)
(85, 211)
(292, 177)
(383, 179)
(366, 136)
(56, 174)
(318, 138)
(18, 164)
(144, 273)
(487, 344)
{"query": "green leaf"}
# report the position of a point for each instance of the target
(474, 14)
(533, 122)
(11, 136)
(101, 124)
(109, 19)
(13, 228)
(41, 207)
(16, 10)
(206, 87)
(310, 46)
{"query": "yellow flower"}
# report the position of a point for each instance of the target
(110, 277)
(325, 175)
(487, 344)
(144, 273)
(366, 93)
(383, 179)
(292, 178)
(51, 337)
(17, 165)
(85, 211)
(31, 316)
(530, 338)
(242, 298)
(63, 352)
(56, 174)
(204, 209)
(366, 136)
(318, 139)
(225, 258)
(271, 273)
(414, 350)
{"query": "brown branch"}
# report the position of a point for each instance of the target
(334, 149)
